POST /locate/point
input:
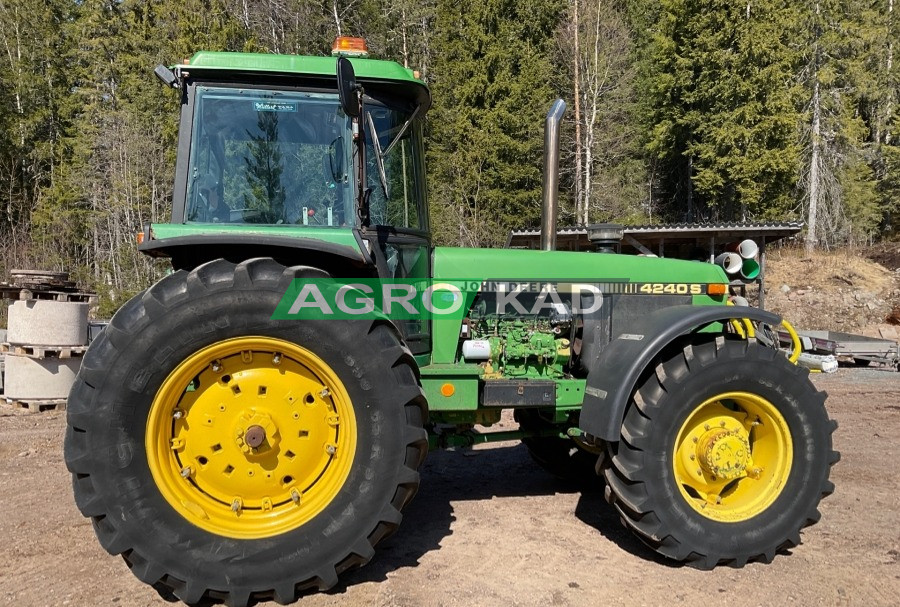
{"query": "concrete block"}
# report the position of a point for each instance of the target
(44, 322)
(39, 379)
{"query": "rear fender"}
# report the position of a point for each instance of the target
(188, 252)
(614, 374)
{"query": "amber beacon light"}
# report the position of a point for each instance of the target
(350, 47)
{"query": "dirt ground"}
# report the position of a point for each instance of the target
(490, 528)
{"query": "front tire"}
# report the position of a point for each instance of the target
(724, 455)
(231, 457)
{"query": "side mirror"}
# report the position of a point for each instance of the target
(166, 76)
(347, 87)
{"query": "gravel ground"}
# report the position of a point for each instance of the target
(490, 528)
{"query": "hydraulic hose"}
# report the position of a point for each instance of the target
(795, 342)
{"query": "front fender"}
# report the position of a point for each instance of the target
(614, 374)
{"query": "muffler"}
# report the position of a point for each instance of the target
(550, 194)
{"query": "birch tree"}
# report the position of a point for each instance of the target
(607, 169)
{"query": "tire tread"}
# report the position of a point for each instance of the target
(628, 489)
(154, 304)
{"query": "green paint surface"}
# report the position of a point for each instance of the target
(336, 235)
(463, 266)
(365, 69)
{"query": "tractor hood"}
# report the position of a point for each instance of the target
(518, 264)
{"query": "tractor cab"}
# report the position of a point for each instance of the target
(272, 157)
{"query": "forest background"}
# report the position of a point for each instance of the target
(679, 110)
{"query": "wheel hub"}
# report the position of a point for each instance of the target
(279, 440)
(255, 436)
(732, 456)
(724, 454)
(256, 432)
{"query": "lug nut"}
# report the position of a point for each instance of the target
(324, 393)
(330, 449)
(177, 414)
(276, 359)
(186, 472)
(216, 366)
(295, 495)
(237, 505)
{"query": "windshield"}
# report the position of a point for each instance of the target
(270, 157)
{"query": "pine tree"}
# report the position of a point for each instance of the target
(720, 112)
(492, 80)
(33, 85)
(263, 170)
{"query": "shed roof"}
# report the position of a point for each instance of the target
(669, 232)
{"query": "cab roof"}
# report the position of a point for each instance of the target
(367, 70)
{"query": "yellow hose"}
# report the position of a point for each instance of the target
(749, 333)
(795, 342)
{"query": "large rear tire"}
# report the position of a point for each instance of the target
(231, 457)
(724, 455)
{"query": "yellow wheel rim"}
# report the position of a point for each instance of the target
(733, 456)
(251, 437)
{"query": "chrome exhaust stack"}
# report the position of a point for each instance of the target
(550, 193)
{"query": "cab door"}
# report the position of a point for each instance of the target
(399, 229)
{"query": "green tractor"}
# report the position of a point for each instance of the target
(232, 449)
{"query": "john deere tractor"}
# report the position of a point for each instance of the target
(251, 426)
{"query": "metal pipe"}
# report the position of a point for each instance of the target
(747, 249)
(550, 194)
(730, 262)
